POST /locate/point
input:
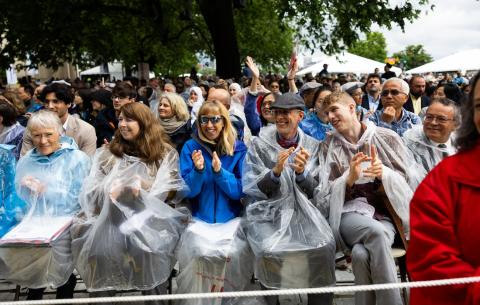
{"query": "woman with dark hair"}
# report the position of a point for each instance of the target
(444, 215)
(105, 122)
(128, 232)
(11, 132)
(316, 123)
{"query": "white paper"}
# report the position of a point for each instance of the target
(37, 230)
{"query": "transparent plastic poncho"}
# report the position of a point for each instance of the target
(127, 234)
(291, 239)
(40, 253)
(214, 258)
(335, 156)
(12, 208)
(426, 154)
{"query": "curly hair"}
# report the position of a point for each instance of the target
(467, 133)
(150, 145)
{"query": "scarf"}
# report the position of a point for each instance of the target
(172, 124)
(287, 143)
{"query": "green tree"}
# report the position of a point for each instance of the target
(373, 46)
(413, 56)
(167, 34)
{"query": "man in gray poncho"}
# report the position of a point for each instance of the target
(292, 242)
(365, 193)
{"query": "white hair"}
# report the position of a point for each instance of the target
(404, 87)
(44, 119)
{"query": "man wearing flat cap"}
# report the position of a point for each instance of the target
(292, 241)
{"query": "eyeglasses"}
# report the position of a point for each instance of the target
(440, 119)
(213, 119)
(393, 92)
(277, 112)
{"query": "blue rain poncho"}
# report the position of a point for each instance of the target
(11, 207)
(50, 186)
(126, 236)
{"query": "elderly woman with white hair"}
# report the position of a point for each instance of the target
(393, 116)
(194, 102)
(175, 119)
(48, 179)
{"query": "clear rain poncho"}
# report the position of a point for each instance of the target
(39, 255)
(335, 156)
(292, 241)
(127, 235)
(424, 152)
(214, 258)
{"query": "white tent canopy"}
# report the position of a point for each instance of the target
(115, 69)
(461, 61)
(346, 63)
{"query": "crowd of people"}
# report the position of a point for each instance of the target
(267, 178)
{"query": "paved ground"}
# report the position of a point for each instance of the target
(7, 292)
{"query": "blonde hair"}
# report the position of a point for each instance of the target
(179, 108)
(228, 135)
(44, 119)
(337, 97)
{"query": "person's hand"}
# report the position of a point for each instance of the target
(300, 161)
(375, 170)
(216, 163)
(355, 167)
(293, 71)
(198, 160)
(281, 160)
(119, 187)
(253, 67)
(388, 115)
(33, 184)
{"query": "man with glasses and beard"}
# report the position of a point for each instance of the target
(393, 116)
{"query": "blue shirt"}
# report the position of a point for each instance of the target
(313, 127)
(372, 103)
(407, 120)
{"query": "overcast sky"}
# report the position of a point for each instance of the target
(453, 26)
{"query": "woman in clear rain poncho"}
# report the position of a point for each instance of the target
(127, 235)
(48, 179)
(213, 254)
(291, 239)
(364, 192)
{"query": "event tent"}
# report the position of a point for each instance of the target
(346, 63)
(461, 61)
(115, 69)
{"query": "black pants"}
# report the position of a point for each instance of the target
(63, 292)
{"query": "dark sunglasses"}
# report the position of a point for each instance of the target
(214, 119)
(393, 92)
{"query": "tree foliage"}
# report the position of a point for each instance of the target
(168, 34)
(374, 46)
(413, 56)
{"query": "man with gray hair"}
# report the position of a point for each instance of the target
(432, 142)
(393, 116)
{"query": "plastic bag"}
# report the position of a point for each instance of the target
(50, 187)
(214, 258)
(286, 230)
(127, 235)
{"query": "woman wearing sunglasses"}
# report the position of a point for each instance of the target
(213, 254)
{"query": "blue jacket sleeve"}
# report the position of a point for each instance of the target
(192, 177)
(231, 183)
(251, 115)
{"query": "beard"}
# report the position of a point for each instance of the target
(372, 90)
(416, 94)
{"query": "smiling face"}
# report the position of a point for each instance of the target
(129, 128)
(439, 122)
(211, 124)
(165, 110)
(59, 107)
(287, 121)
(318, 105)
(45, 140)
(341, 115)
(266, 108)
